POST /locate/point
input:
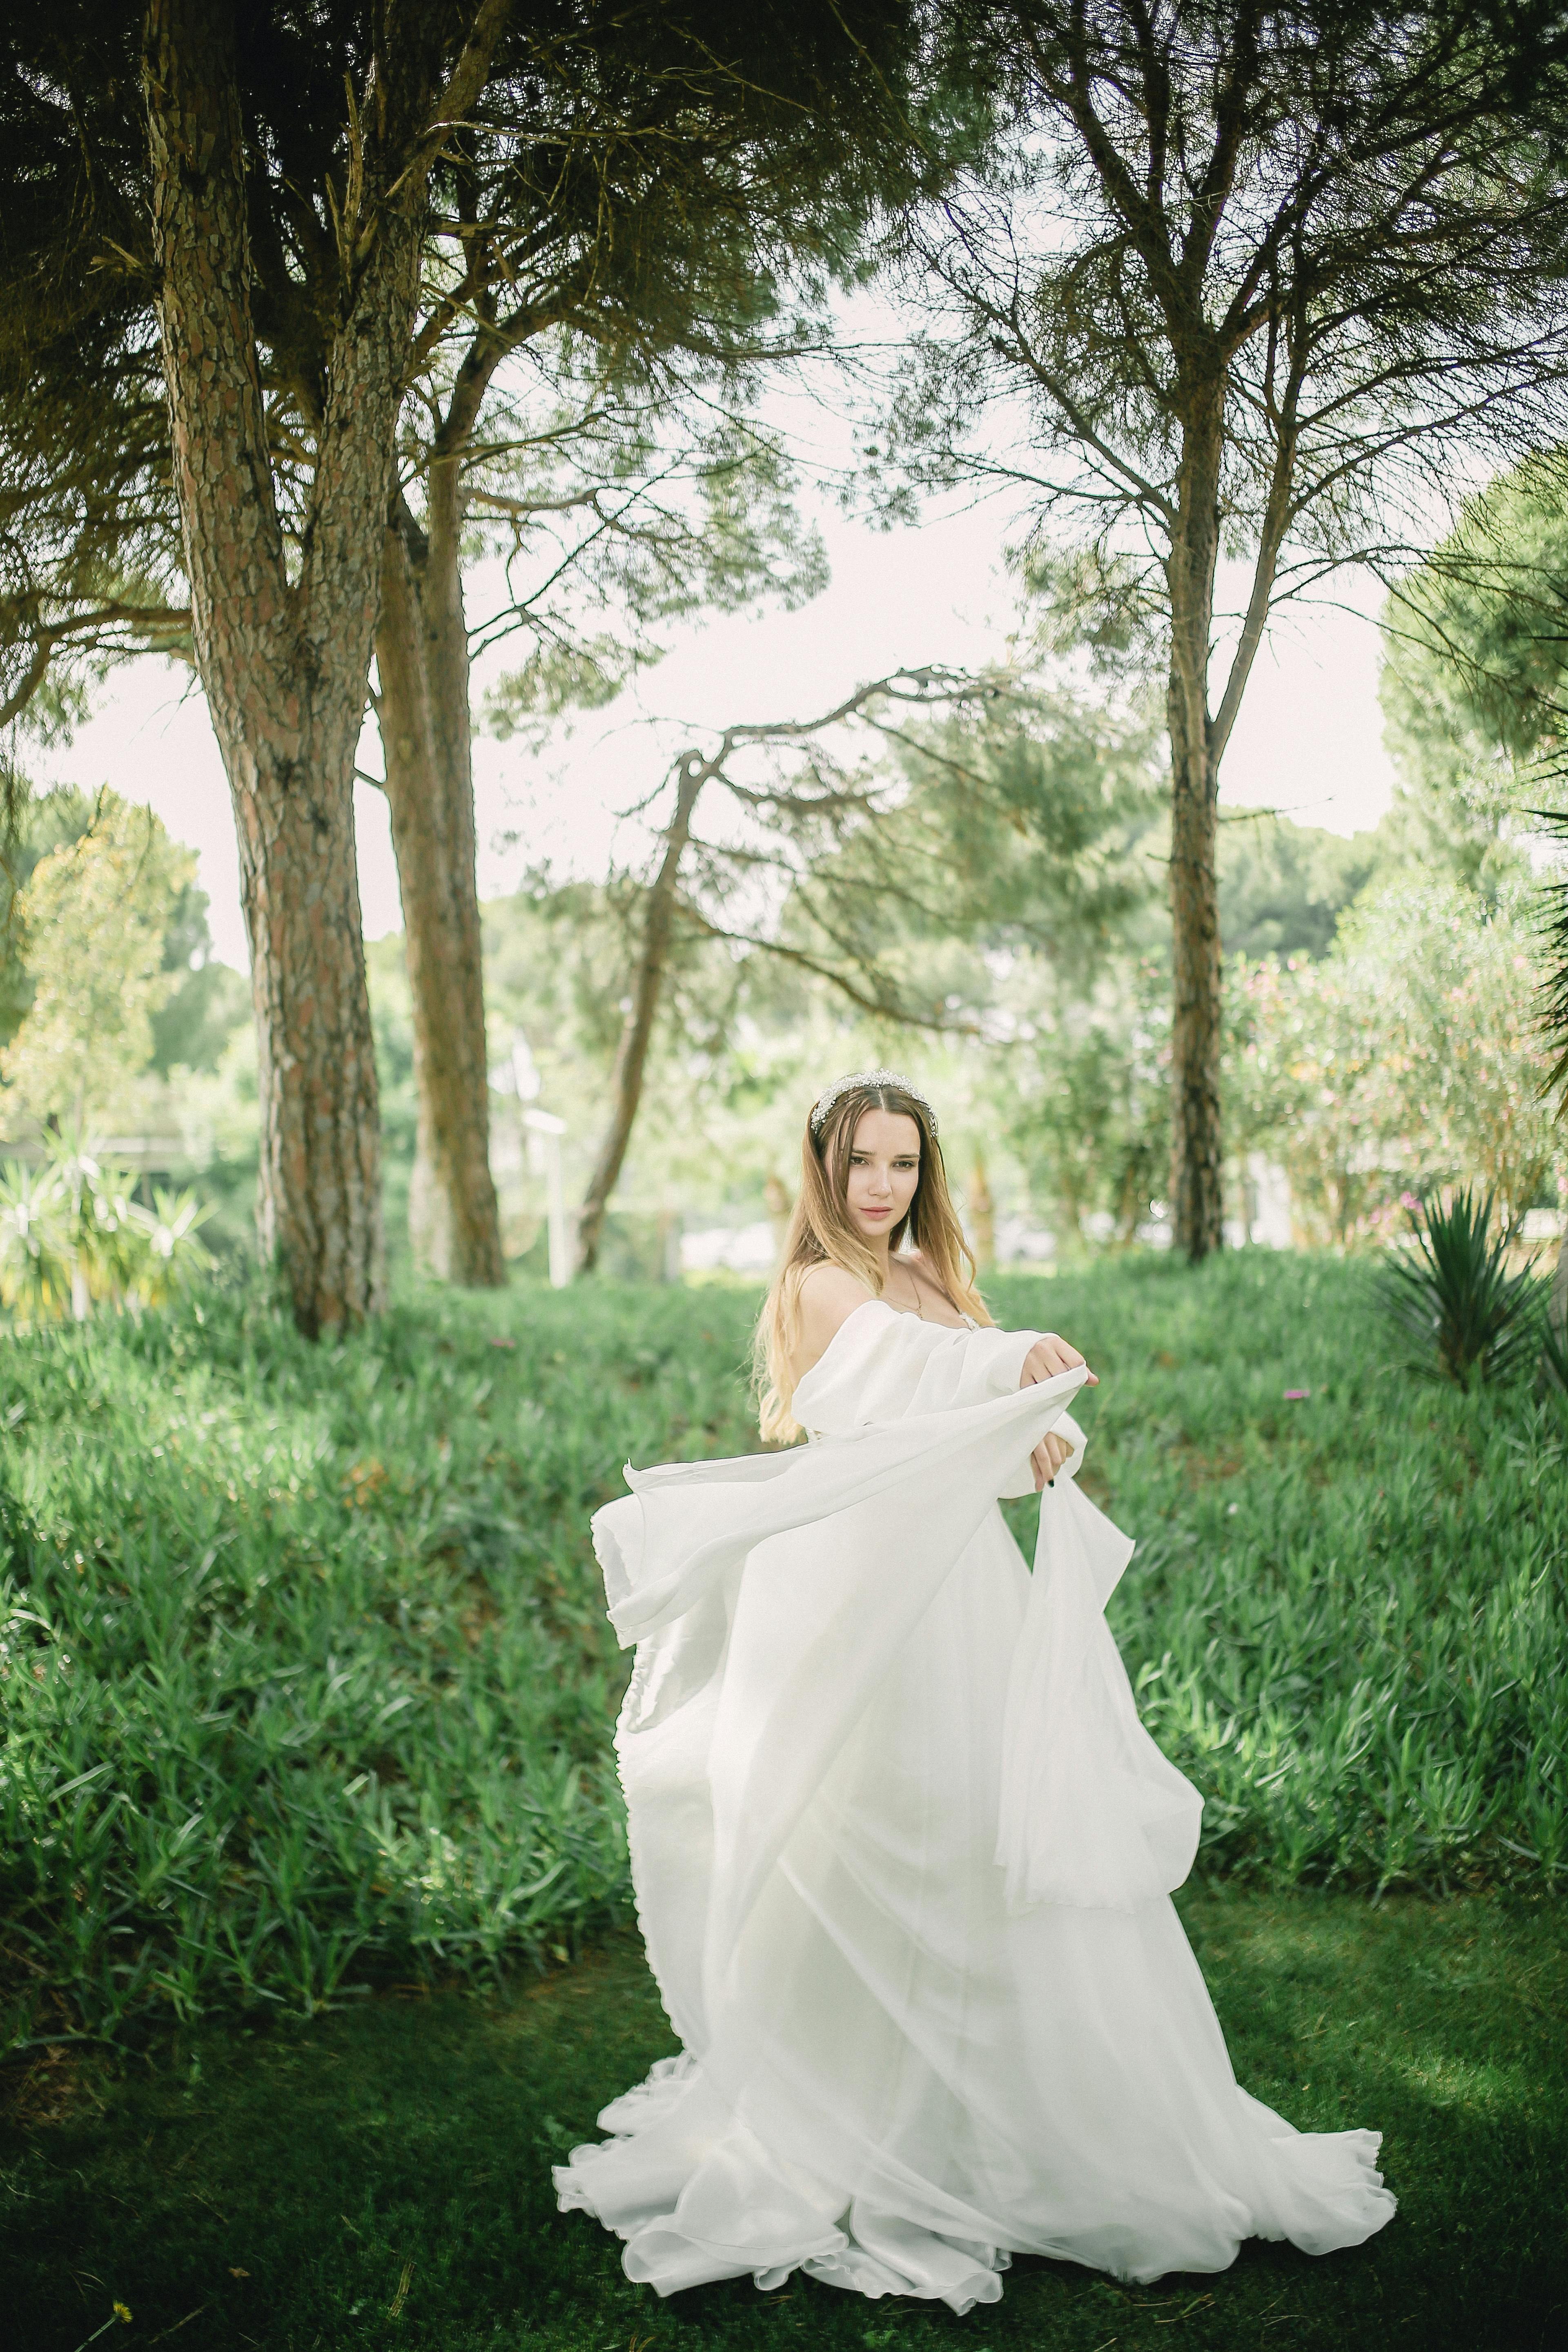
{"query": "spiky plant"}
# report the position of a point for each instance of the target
(71, 1238)
(1463, 1315)
(172, 1257)
(35, 1257)
(107, 1249)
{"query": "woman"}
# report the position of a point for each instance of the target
(902, 1849)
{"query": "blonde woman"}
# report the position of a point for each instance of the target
(902, 1849)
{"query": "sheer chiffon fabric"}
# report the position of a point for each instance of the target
(902, 1853)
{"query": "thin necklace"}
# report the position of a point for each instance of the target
(915, 1285)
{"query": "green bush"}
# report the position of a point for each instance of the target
(1462, 1314)
(307, 1681)
(1346, 1617)
(306, 1671)
(73, 1236)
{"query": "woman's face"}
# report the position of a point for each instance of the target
(884, 1169)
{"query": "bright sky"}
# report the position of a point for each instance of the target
(1308, 741)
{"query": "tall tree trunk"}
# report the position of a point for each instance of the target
(284, 664)
(422, 661)
(1196, 1188)
(631, 1057)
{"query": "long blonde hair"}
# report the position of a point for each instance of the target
(822, 1233)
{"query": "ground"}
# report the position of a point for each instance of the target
(312, 1901)
(380, 2176)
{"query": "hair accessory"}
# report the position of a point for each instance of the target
(855, 1079)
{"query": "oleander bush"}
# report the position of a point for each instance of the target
(307, 1685)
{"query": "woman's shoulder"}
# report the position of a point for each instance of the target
(828, 1296)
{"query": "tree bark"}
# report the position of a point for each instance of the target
(422, 661)
(285, 661)
(284, 664)
(1196, 1171)
(631, 1057)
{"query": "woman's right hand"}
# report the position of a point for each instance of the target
(1048, 1458)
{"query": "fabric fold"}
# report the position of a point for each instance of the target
(1090, 1810)
(902, 1850)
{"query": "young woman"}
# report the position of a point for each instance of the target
(902, 1849)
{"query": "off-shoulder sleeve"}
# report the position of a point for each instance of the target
(882, 1366)
(767, 1597)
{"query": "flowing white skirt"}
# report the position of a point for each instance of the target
(895, 2076)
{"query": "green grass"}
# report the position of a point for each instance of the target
(305, 1808)
(306, 1668)
(379, 2177)
(1348, 1615)
(306, 1685)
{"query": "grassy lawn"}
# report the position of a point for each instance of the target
(307, 1823)
(379, 2176)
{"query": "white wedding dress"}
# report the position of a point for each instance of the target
(902, 1853)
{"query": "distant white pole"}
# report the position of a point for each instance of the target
(549, 1129)
(525, 1075)
(545, 1124)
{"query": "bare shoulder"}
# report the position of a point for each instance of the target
(828, 1296)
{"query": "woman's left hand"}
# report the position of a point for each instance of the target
(1048, 1458)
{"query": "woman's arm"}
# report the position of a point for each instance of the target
(1050, 1354)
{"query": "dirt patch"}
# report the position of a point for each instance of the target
(51, 2085)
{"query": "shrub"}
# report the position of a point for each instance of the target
(308, 1683)
(1462, 1314)
(306, 1678)
(71, 1236)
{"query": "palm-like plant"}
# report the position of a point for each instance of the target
(35, 1245)
(98, 1227)
(72, 1237)
(172, 1257)
(1465, 1317)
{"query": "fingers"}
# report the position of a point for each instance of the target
(1048, 1356)
(1048, 1458)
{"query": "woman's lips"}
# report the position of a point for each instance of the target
(876, 1212)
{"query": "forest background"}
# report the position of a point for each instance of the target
(410, 373)
(961, 870)
(1381, 1000)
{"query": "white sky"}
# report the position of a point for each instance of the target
(1309, 741)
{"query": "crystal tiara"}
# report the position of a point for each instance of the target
(855, 1079)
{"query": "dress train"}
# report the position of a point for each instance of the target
(902, 1853)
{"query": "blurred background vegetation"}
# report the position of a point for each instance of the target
(993, 917)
